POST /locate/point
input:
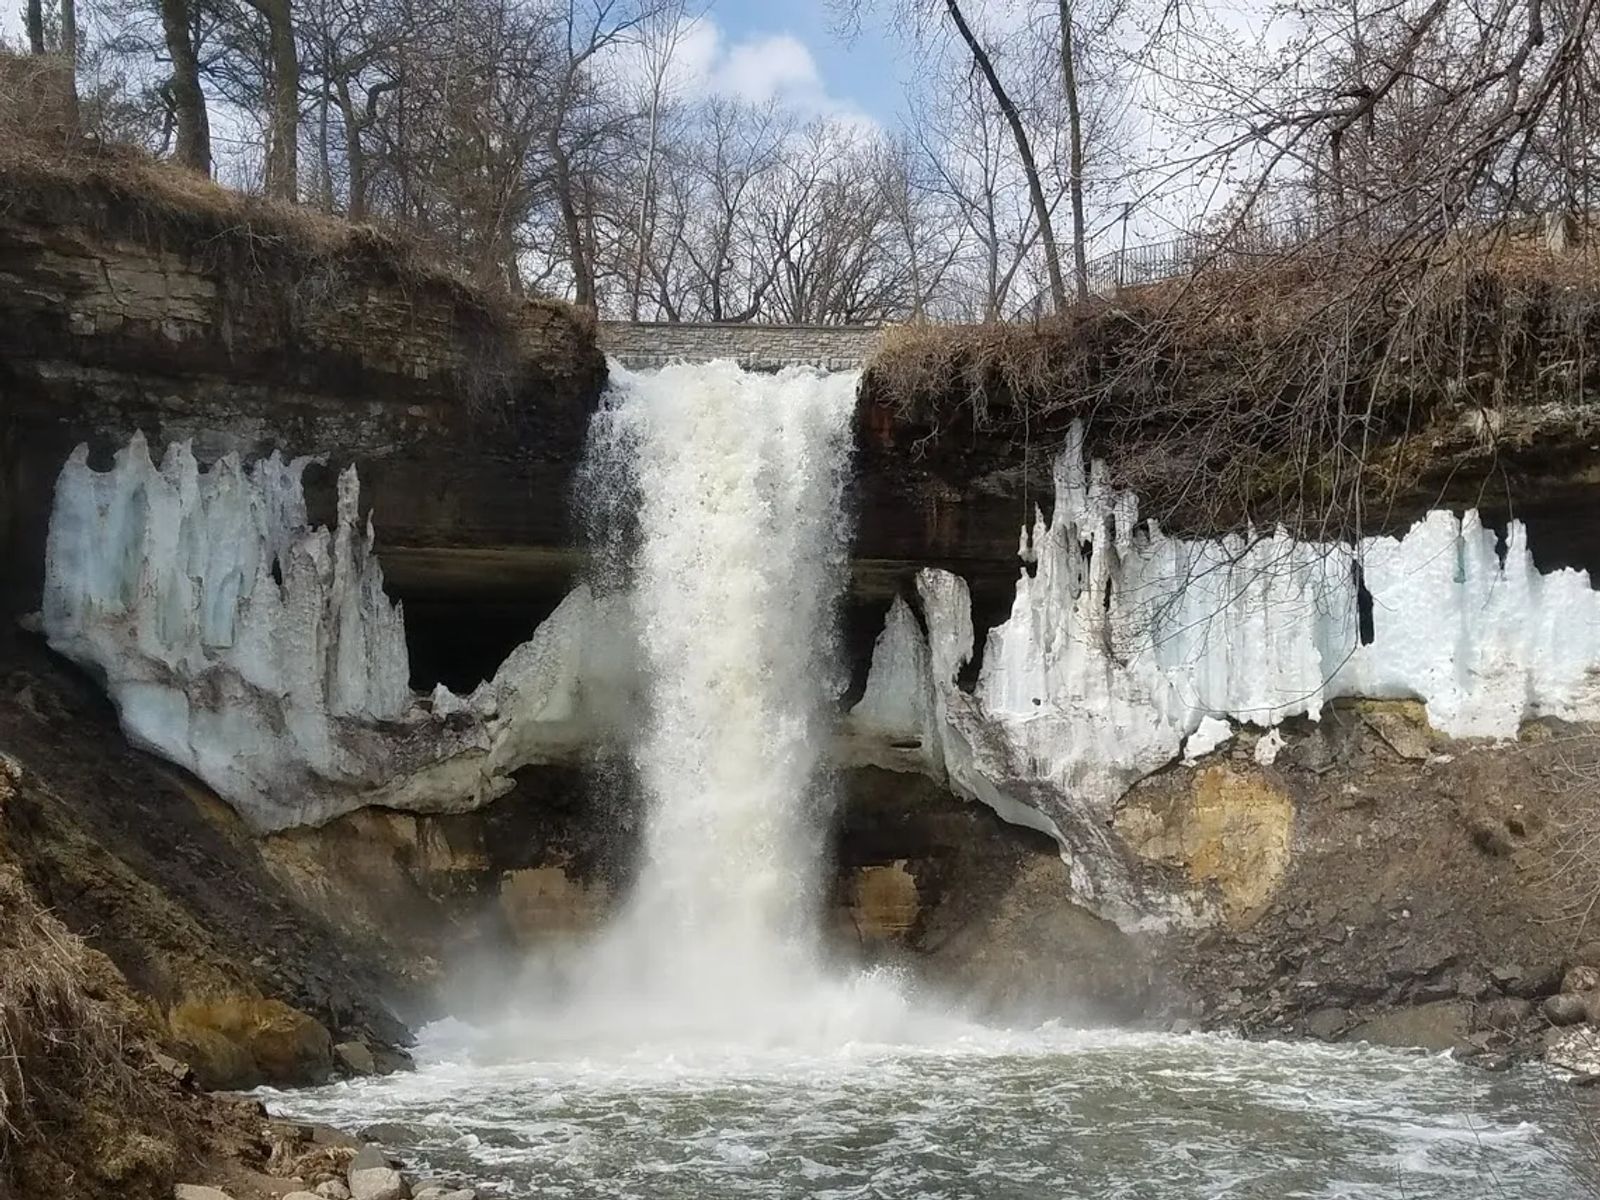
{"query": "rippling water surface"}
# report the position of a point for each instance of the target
(1050, 1114)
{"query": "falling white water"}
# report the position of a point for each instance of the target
(717, 496)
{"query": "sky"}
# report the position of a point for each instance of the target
(793, 48)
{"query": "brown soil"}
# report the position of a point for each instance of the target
(150, 869)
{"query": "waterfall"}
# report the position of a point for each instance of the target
(715, 503)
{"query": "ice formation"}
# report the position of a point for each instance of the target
(1124, 643)
(263, 655)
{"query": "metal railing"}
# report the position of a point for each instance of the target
(1232, 248)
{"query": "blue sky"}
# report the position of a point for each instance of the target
(861, 73)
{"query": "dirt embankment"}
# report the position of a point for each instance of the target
(1378, 882)
(242, 981)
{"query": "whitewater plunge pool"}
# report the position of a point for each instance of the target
(1044, 1116)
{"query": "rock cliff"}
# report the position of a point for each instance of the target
(135, 297)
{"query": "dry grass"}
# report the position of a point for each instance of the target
(1294, 392)
(77, 1112)
(49, 175)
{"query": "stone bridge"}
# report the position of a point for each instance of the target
(754, 347)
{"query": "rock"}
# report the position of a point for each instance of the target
(355, 1058)
(1406, 734)
(1565, 1008)
(302, 1196)
(1506, 977)
(1537, 983)
(1419, 962)
(1576, 1050)
(1430, 990)
(1581, 979)
(1327, 1023)
(390, 1059)
(1437, 1026)
(377, 1183)
(439, 1193)
(179, 1070)
(327, 1135)
(243, 1041)
(1181, 1026)
(1472, 985)
(370, 1158)
(193, 1191)
(333, 1190)
(393, 1133)
(1506, 1013)
(1591, 1006)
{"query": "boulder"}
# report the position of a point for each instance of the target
(244, 1041)
(1328, 1023)
(302, 1196)
(1506, 976)
(1472, 984)
(1576, 1050)
(354, 1058)
(333, 1190)
(370, 1158)
(443, 1193)
(393, 1133)
(1535, 983)
(1506, 1013)
(193, 1191)
(377, 1183)
(1565, 1008)
(389, 1059)
(1437, 1026)
(1581, 979)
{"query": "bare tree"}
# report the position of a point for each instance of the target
(180, 25)
(34, 20)
(284, 91)
(1019, 133)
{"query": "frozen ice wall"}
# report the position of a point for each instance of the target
(263, 655)
(1123, 642)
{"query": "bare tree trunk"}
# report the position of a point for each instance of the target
(1041, 211)
(355, 157)
(645, 196)
(188, 101)
(325, 166)
(283, 140)
(35, 23)
(582, 269)
(1069, 81)
(69, 52)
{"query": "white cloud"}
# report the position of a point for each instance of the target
(774, 65)
(756, 69)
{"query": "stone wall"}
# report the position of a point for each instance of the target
(754, 347)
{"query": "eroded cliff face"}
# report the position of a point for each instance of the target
(135, 298)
